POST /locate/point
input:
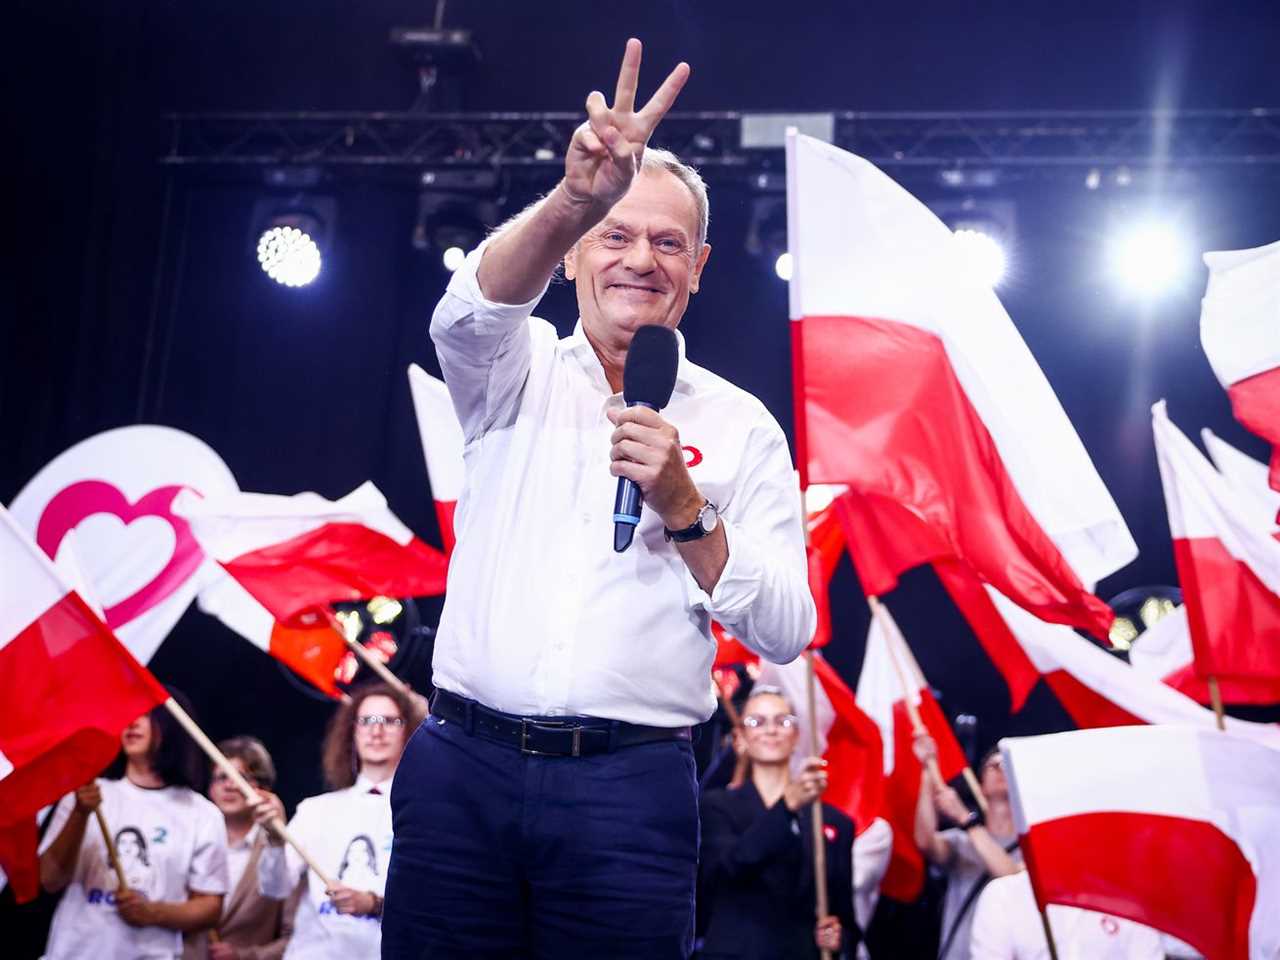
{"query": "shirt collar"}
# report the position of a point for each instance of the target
(579, 347)
(363, 784)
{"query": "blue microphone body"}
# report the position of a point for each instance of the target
(627, 503)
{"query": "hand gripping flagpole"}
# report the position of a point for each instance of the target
(276, 825)
(917, 724)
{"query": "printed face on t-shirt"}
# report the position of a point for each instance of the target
(359, 863)
(131, 848)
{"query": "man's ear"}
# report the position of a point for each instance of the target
(701, 262)
(571, 263)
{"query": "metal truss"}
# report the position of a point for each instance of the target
(1016, 144)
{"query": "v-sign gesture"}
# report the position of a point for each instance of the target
(605, 153)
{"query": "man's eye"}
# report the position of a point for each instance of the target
(614, 238)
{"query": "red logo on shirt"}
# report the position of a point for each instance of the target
(693, 456)
(1110, 925)
(829, 832)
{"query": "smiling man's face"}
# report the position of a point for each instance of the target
(640, 264)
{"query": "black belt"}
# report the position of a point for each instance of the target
(548, 737)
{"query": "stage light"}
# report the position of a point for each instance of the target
(784, 266)
(288, 255)
(1093, 179)
(982, 254)
(1148, 258)
(1137, 610)
(453, 257)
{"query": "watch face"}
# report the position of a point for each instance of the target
(709, 517)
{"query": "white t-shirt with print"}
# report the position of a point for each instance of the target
(348, 833)
(1007, 926)
(170, 841)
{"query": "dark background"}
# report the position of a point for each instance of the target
(112, 320)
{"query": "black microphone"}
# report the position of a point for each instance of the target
(648, 377)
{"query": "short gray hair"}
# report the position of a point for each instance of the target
(657, 159)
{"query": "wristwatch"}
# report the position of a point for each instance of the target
(707, 520)
(974, 819)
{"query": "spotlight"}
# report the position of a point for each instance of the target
(453, 258)
(289, 234)
(783, 266)
(984, 231)
(1137, 610)
(982, 255)
(288, 255)
(766, 239)
(1148, 258)
(1093, 179)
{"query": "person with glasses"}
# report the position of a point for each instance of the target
(362, 749)
(253, 927)
(755, 872)
(170, 841)
(973, 851)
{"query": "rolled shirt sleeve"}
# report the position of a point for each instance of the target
(483, 347)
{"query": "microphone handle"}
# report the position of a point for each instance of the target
(627, 503)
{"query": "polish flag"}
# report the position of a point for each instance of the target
(1172, 827)
(296, 555)
(1100, 690)
(442, 445)
(1163, 652)
(309, 645)
(949, 414)
(1240, 333)
(1229, 569)
(889, 539)
(848, 739)
(1248, 477)
(881, 693)
(68, 687)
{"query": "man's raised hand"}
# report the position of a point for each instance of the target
(605, 153)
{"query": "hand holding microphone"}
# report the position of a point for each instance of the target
(646, 455)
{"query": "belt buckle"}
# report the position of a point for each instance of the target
(576, 730)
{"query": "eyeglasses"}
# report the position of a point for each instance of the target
(378, 720)
(758, 721)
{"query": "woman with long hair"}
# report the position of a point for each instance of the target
(170, 841)
(755, 870)
(350, 824)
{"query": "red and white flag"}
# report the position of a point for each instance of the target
(1229, 569)
(1248, 477)
(951, 415)
(442, 446)
(1240, 332)
(886, 666)
(298, 554)
(848, 739)
(68, 687)
(1172, 827)
(1163, 652)
(889, 538)
(1100, 690)
(308, 645)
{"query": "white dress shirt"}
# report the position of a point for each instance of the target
(542, 617)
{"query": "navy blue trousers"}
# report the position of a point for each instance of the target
(499, 854)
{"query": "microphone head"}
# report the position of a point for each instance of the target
(649, 374)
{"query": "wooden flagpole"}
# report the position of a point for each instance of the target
(811, 695)
(234, 775)
(1215, 697)
(1048, 933)
(112, 854)
(370, 661)
(917, 724)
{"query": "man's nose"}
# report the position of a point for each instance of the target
(639, 258)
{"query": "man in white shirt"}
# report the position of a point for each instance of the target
(1007, 926)
(549, 805)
